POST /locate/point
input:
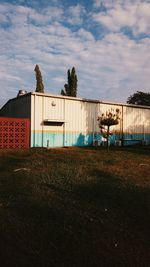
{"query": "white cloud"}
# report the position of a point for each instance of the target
(112, 3)
(22, 15)
(47, 15)
(75, 14)
(107, 69)
(135, 16)
(85, 35)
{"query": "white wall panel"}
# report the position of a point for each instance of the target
(53, 108)
(136, 120)
(80, 117)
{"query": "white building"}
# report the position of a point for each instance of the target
(57, 121)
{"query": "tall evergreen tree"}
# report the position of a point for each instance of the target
(70, 89)
(39, 80)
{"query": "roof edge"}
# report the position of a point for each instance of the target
(13, 99)
(89, 100)
(76, 99)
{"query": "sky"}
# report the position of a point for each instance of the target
(108, 43)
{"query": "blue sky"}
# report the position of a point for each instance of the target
(108, 42)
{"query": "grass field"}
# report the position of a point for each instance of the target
(75, 207)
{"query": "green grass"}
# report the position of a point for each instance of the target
(75, 207)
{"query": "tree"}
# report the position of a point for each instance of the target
(139, 98)
(108, 119)
(71, 86)
(39, 81)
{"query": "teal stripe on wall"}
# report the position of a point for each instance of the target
(58, 139)
(47, 139)
(39, 139)
(78, 139)
(133, 139)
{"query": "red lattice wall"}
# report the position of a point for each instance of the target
(14, 133)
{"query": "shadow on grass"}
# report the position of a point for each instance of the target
(109, 191)
(45, 228)
(138, 149)
(141, 150)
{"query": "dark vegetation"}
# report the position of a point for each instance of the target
(75, 207)
(39, 80)
(139, 98)
(70, 88)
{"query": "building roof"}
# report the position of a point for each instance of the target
(76, 99)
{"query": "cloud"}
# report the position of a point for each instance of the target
(46, 16)
(75, 14)
(112, 3)
(85, 35)
(110, 68)
(22, 15)
(132, 15)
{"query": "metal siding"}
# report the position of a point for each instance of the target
(42, 109)
(71, 117)
(116, 129)
(53, 108)
(146, 121)
(19, 107)
(36, 121)
(80, 117)
(79, 122)
(81, 126)
(136, 124)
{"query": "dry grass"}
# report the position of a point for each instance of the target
(75, 207)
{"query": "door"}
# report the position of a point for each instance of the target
(53, 134)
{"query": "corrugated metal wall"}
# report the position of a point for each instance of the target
(136, 124)
(73, 122)
(63, 121)
(116, 129)
(19, 107)
(76, 117)
(44, 109)
(79, 127)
